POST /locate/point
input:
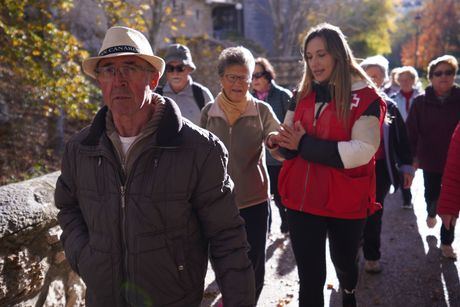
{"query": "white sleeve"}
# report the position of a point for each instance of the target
(289, 118)
(365, 140)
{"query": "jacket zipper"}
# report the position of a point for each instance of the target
(305, 187)
(230, 137)
(230, 143)
(124, 183)
(124, 227)
(121, 178)
(123, 234)
(308, 163)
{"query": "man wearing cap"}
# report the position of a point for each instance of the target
(144, 196)
(190, 96)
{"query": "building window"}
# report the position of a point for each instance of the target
(227, 22)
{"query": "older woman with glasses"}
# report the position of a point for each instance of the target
(430, 124)
(244, 124)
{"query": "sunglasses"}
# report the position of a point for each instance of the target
(258, 75)
(172, 68)
(447, 73)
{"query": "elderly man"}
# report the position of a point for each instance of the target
(189, 95)
(144, 196)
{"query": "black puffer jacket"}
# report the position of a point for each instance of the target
(143, 239)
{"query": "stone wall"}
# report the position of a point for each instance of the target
(33, 269)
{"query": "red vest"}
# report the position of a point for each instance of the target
(323, 190)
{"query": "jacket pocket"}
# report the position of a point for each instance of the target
(291, 182)
(347, 194)
(158, 276)
(95, 269)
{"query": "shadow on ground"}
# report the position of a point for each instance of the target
(414, 271)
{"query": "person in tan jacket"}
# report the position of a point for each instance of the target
(244, 124)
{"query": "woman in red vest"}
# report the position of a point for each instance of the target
(327, 182)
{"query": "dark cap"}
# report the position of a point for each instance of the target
(180, 53)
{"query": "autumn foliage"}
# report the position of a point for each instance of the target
(41, 82)
(435, 33)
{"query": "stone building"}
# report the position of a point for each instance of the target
(217, 24)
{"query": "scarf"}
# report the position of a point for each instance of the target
(262, 95)
(232, 110)
(407, 95)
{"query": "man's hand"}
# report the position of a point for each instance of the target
(448, 220)
(290, 137)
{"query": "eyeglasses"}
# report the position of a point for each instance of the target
(128, 72)
(447, 73)
(233, 78)
(172, 68)
(258, 75)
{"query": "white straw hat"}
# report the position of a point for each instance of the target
(120, 41)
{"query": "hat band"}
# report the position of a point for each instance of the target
(118, 49)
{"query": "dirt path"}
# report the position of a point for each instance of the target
(414, 272)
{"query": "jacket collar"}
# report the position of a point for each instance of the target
(432, 98)
(169, 128)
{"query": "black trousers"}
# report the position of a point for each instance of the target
(373, 227)
(432, 183)
(406, 194)
(308, 237)
(273, 173)
(256, 218)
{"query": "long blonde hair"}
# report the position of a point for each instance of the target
(345, 67)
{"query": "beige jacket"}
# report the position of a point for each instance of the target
(245, 142)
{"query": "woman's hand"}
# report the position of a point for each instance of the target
(273, 140)
(289, 137)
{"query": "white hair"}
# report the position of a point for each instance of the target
(407, 70)
(379, 61)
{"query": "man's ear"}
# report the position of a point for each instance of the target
(155, 80)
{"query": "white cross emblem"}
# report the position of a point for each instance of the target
(355, 102)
